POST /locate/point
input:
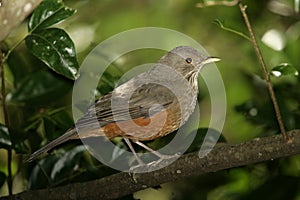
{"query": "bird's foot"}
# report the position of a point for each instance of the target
(163, 161)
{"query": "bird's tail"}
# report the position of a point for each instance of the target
(65, 137)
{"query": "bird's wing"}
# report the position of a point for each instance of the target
(148, 97)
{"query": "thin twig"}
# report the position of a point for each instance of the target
(218, 22)
(265, 71)
(3, 95)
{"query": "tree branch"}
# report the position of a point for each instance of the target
(221, 157)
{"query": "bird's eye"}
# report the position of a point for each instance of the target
(189, 60)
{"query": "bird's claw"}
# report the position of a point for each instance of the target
(163, 161)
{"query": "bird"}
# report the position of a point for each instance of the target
(161, 100)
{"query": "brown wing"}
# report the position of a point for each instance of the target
(148, 96)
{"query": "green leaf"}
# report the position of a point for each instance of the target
(39, 88)
(20, 147)
(5, 141)
(39, 177)
(61, 119)
(56, 124)
(67, 163)
(284, 69)
(15, 61)
(55, 48)
(49, 12)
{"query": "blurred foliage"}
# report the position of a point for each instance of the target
(39, 85)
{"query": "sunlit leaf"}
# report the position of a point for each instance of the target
(5, 141)
(284, 69)
(55, 48)
(49, 12)
(274, 39)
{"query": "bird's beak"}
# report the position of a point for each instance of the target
(210, 59)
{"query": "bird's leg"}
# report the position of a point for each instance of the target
(161, 156)
(141, 167)
(140, 162)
